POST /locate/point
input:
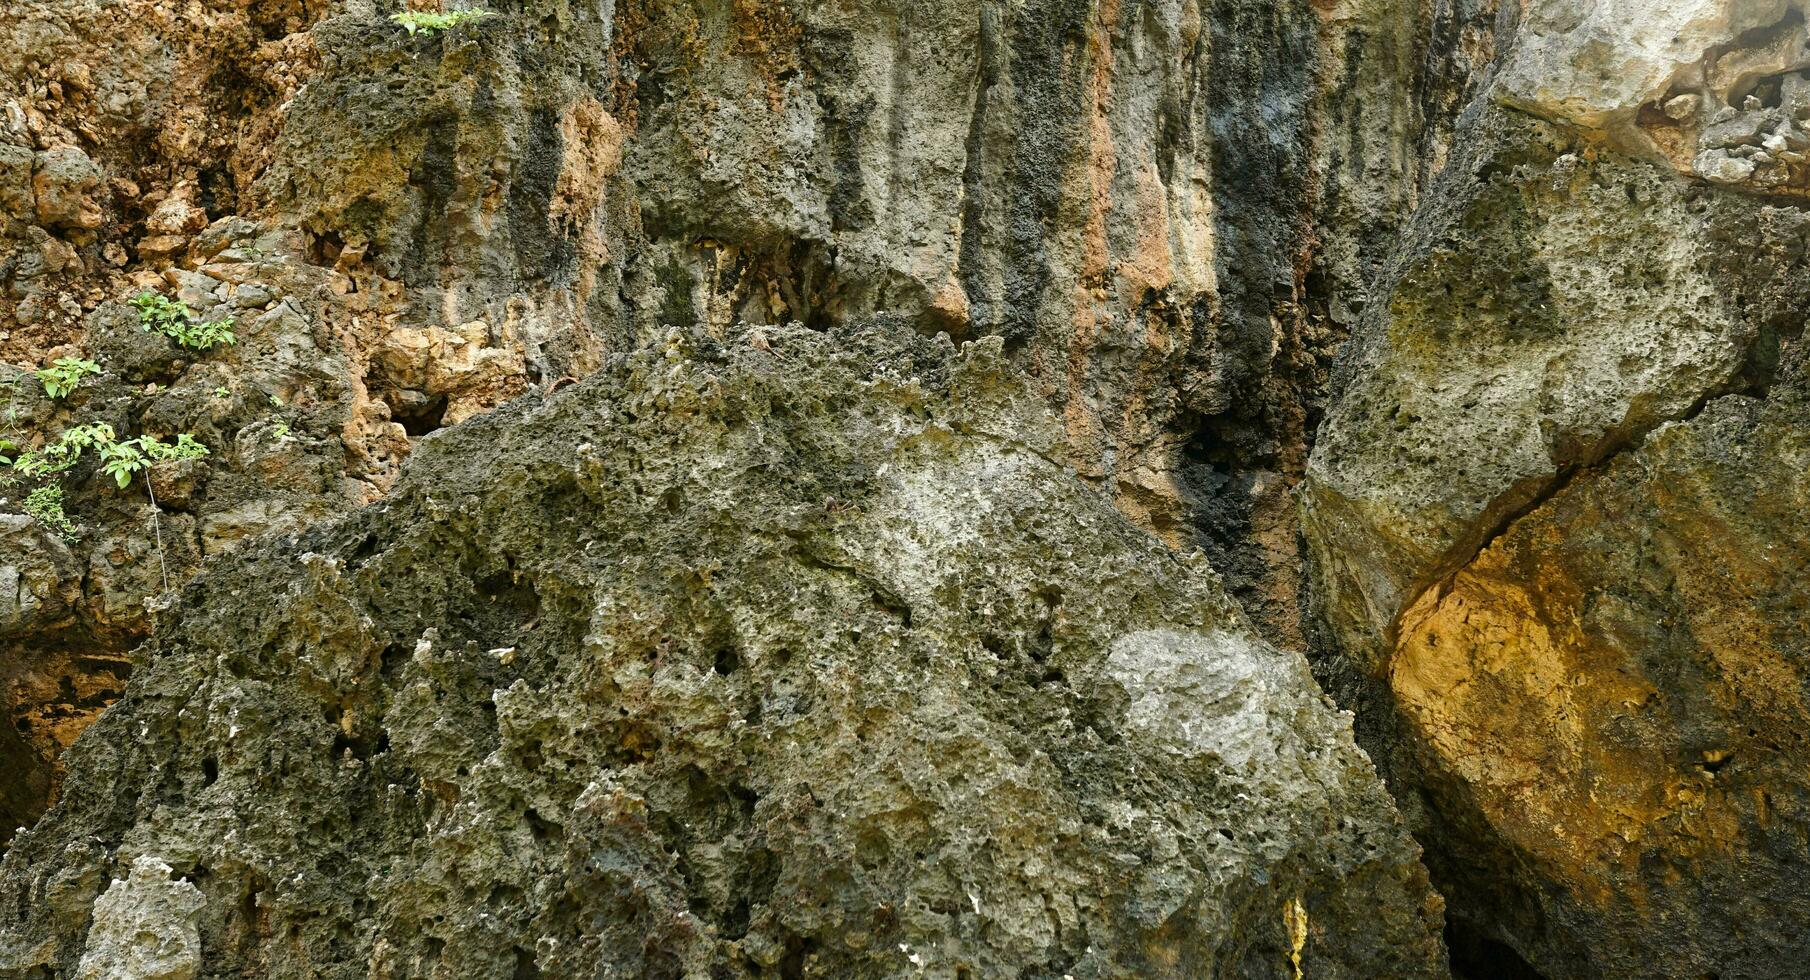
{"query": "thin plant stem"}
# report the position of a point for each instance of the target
(157, 529)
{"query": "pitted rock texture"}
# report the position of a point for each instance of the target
(810, 660)
(1566, 233)
(144, 927)
(1167, 210)
(1542, 517)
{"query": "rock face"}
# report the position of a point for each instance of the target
(1536, 530)
(1152, 204)
(1518, 318)
(812, 660)
(1551, 514)
(411, 229)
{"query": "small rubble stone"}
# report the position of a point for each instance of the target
(16, 196)
(1683, 107)
(176, 216)
(1735, 131)
(1721, 168)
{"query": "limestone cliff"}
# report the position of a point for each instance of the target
(1537, 529)
(1554, 517)
(809, 660)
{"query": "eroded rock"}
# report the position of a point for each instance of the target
(144, 928)
(811, 659)
(64, 182)
(1510, 586)
(1617, 683)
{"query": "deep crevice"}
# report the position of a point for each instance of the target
(1476, 956)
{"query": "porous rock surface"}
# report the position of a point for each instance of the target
(1544, 545)
(1167, 209)
(810, 660)
(1552, 516)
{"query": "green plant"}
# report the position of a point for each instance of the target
(280, 432)
(123, 460)
(45, 505)
(59, 456)
(64, 373)
(222, 392)
(176, 321)
(120, 460)
(424, 22)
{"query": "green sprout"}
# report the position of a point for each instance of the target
(45, 505)
(423, 22)
(62, 376)
(172, 318)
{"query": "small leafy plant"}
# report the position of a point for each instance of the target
(120, 460)
(424, 22)
(59, 456)
(45, 505)
(64, 374)
(124, 460)
(172, 318)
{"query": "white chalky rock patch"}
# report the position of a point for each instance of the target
(144, 927)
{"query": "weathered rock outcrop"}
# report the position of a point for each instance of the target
(414, 228)
(1551, 512)
(1718, 88)
(1120, 191)
(812, 660)
(1543, 547)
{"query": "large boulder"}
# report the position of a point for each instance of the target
(1551, 304)
(801, 655)
(1609, 703)
(1564, 416)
